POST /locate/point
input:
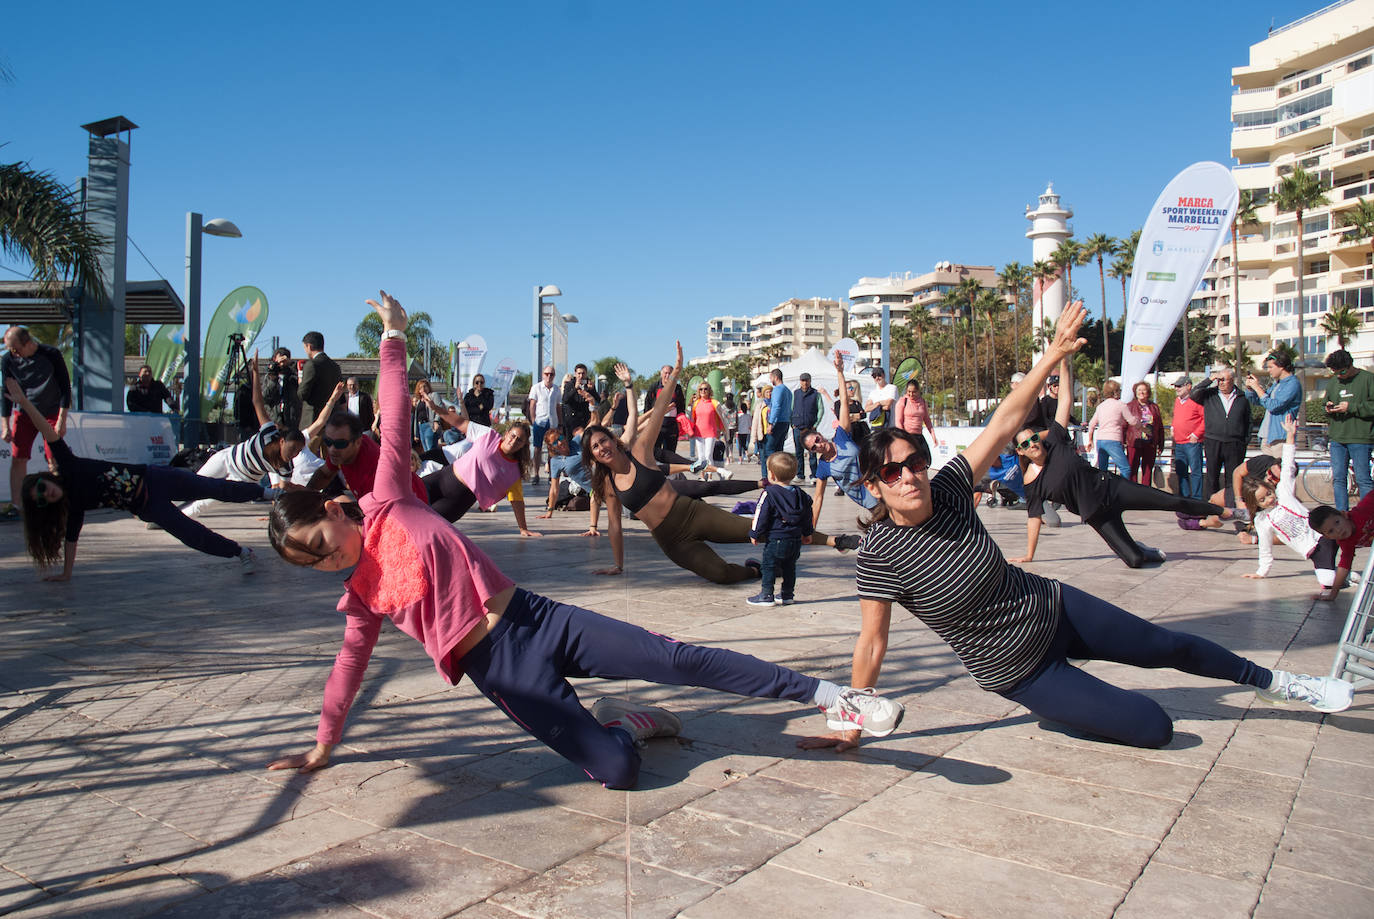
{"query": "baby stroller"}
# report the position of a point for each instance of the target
(1003, 483)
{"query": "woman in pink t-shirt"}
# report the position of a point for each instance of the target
(911, 413)
(1110, 422)
(489, 466)
(707, 423)
(410, 566)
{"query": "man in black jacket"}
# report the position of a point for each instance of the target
(1226, 415)
(279, 390)
(319, 376)
(580, 398)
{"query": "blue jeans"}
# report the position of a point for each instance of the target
(775, 442)
(1188, 462)
(524, 663)
(802, 455)
(1342, 455)
(428, 436)
(1094, 629)
(780, 556)
(1114, 450)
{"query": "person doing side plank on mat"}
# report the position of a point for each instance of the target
(518, 648)
(1057, 473)
(683, 527)
(927, 550)
(55, 505)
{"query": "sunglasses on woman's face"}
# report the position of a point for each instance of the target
(341, 444)
(1025, 444)
(891, 473)
(40, 493)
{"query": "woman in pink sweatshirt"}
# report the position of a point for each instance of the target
(410, 566)
(1111, 422)
(911, 413)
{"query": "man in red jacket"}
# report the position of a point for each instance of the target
(1189, 428)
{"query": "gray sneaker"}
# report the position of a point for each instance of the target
(866, 710)
(639, 721)
(1050, 517)
(247, 560)
(1324, 693)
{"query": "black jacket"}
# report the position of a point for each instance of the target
(319, 376)
(1224, 426)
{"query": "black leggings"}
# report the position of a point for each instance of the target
(447, 494)
(165, 485)
(1131, 496)
(1094, 629)
(695, 488)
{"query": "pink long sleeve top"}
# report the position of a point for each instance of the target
(912, 415)
(1112, 420)
(415, 568)
(488, 472)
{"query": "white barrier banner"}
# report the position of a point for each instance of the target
(472, 351)
(115, 437)
(1180, 238)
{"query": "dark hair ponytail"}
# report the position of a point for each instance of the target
(45, 528)
(301, 507)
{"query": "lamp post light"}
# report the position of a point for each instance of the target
(540, 292)
(192, 428)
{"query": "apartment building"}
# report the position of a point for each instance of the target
(1306, 99)
(796, 325)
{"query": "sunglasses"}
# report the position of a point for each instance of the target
(40, 494)
(1033, 439)
(891, 473)
(340, 444)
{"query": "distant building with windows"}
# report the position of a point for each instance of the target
(796, 325)
(905, 293)
(1305, 99)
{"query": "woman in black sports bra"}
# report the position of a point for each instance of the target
(681, 526)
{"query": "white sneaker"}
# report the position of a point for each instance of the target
(639, 721)
(247, 560)
(725, 474)
(865, 709)
(1324, 693)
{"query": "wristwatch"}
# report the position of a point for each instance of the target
(394, 333)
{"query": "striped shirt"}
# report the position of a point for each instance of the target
(249, 459)
(949, 573)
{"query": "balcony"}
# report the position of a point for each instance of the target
(1249, 100)
(1260, 137)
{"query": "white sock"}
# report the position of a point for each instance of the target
(827, 694)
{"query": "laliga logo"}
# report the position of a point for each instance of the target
(1146, 301)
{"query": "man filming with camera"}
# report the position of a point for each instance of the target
(279, 389)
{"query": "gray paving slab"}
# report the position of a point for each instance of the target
(140, 703)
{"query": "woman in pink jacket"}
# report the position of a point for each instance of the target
(1111, 421)
(911, 413)
(707, 423)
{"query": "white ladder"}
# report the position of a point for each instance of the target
(1355, 653)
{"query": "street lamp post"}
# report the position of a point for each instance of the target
(192, 428)
(866, 311)
(540, 292)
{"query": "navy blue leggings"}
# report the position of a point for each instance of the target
(523, 664)
(166, 485)
(1094, 629)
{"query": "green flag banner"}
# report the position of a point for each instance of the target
(167, 352)
(243, 312)
(907, 370)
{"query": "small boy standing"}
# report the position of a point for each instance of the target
(783, 519)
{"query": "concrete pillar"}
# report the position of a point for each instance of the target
(100, 325)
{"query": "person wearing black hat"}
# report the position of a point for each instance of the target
(807, 412)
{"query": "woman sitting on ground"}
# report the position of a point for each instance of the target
(681, 526)
(55, 505)
(518, 649)
(1015, 632)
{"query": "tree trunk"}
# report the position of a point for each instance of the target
(1106, 349)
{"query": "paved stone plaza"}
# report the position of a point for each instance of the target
(140, 702)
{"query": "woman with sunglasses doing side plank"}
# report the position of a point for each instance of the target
(683, 527)
(518, 648)
(55, 505)
(1057, 473)
(927, 550)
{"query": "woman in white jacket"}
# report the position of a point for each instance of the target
(1278, 514)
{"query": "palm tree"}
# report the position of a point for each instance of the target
(954, 305)
(1065, 256)
(41, 221)
(1341, 323)
(969, 289)
(1096, 248)
(1245, 215)
(866, 335)
(1043, 272)
(903, 342)
(993, 306)
(1013, 278)
(1299, 192)
(1121, 269)
(421, 344)
(920, 320)
(1359, 219)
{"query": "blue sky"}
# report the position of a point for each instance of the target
(661, 162)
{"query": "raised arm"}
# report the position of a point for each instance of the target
(16, 394)
(844, 420)
(643, 448)
(623, 374)
(259, 403)
(317, 426)
(1011, 414)
(1064, 411)
(393, 466)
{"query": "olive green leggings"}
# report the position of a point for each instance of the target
(691, 524)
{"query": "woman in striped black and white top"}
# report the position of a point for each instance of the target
(926, 549)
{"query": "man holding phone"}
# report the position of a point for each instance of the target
(1282, 400)
(1350, 409)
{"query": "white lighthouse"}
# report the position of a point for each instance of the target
(1049, 228)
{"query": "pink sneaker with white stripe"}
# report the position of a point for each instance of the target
(639, 721)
